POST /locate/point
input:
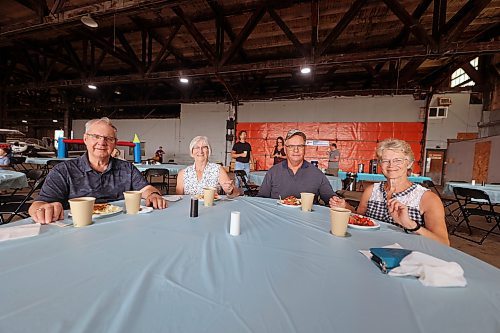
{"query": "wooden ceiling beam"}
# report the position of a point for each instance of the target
(410, 52)
(224, 23)
(143, 24)
(204, 45)
(416, 28)
(289, 34)
(314, 27)
(402, 37)
(438, 18)
(129, 50)
(70, 51)
(243, 35)
(472, 72)
(162, 54)
(457, 24)
(340, 27)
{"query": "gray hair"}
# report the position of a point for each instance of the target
(197, 139)
(395, 145)
(105, 120)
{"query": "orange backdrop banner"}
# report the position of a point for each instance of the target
(356, 141)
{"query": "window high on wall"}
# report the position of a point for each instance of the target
(460, 79)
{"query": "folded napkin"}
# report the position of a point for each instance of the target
(430, 271)
(21, 231)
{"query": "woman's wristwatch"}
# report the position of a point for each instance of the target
(413, 229)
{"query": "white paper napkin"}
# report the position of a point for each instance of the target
(430, 271)
(21, 231)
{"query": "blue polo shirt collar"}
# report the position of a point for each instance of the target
(83, 162)
(304, 165)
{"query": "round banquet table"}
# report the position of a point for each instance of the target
(173, 169)
(167, 272)
(12, 179)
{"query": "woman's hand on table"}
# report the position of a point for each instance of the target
(229, 188)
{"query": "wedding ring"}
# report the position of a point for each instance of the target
(40, 209)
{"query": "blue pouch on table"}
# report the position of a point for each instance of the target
(388, 258)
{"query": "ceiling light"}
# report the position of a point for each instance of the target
(54, 120)
(305, 69)
(24, 121)
(118, 92)
(89, 21)
(91, 86)
(184, 80)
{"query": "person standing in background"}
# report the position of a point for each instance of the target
(242, 153)
(333, 161)
(279, 154)
(159, 155)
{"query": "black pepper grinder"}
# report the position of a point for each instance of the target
(194, 208)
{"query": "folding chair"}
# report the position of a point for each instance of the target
(16, 163)
(249, 189)
(19, 208)
(473, 202)
(155, 173)
(448, 202)
(351, 197)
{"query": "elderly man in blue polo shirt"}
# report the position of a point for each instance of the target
(94, 174)
(295, 175)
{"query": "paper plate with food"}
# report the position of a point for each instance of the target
(103, 210)
(362, 222)
(200, 197)
(289, 201)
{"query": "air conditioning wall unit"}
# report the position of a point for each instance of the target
(444, 101)
(439, 112)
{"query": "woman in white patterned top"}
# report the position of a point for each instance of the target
(203, 173)
(399, 201)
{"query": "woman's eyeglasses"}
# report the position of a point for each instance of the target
(394, 161)
(200, 148)
(98, 137)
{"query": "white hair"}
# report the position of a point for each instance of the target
(105, 120)
(197, 139)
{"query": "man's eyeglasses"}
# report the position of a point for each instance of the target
(394, 161)
(295, 147)
(200, 148)
(98, 137)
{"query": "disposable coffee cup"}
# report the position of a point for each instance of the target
(473, 182)
(81, 210)
(208, 196)
(246, 153)
(132, 201)
(306, 201)
(339, 219)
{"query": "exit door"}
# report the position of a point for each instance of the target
(434, 164)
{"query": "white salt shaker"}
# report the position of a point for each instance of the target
(234, 227)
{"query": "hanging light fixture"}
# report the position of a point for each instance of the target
(89, 21)
(306, 69)
(92, 86)
(184, 80)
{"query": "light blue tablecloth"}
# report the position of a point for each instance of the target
(173, 169)
(492, 190)
(257, 177)
(377, 177)
(166, 272)
(12, 179)
(44, 160)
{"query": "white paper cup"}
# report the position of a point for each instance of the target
(81, 210)
(132, 201)
(306, 201)
(208, 196)
(339, 219)
(234, 227)
(246, 153)
(473, 182)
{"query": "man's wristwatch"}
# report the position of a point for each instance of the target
(412, 230)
